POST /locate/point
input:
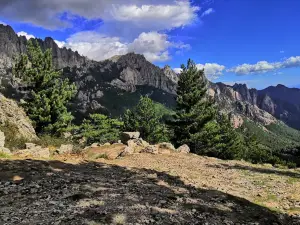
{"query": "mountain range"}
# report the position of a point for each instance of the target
(115, 84)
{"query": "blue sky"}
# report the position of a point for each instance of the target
(247, 41)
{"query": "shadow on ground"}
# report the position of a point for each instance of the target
(53, 192)
(258, 170)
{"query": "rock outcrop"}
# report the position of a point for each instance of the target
(112, 85)
(13, 117)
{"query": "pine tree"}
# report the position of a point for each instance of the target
(99, 128)
(194, 111)
(197, 122)
(49, 93)
(146, 119)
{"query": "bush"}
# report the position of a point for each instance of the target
(146, 118)
(98, 128)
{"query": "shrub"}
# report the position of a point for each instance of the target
(98, 128)
(146, 118)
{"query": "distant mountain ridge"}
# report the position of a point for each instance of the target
(115, 84)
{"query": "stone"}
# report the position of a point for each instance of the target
(166, 145)
(13, 116)
(127, 151)
(82, 140)
(183, 149)
(112, 152)
(153, 149)
(126, 136)
(94, 145)
(65, 149)
(2, 139)
(36, 152)
(6, 151)
(107, 144)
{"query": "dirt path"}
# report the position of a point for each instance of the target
(146, 189)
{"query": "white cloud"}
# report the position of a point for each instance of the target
(96, 46)
(23, 33)
(153, 45)
(212, 70)
(264, 66)
(149, 14)
(155, 17)
(207, 12)
(3, 23)
(281, 51)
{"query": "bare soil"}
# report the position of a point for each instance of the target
(147, 189)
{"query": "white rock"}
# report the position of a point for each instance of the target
(183, 149)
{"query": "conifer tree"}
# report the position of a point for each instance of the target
(194, 112)
(49, 93)
(145, 119)
(197, 123)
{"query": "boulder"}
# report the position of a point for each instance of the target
(106, 152)
(183, 149)
(36, 152)
(127, 151)
(153, 149)
(107, 144)
(166, 145)
(2, 139)
(12, 116)
(6, 151)
(65, 149)
(126, 136)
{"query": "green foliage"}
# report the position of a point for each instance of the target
(146, 118)
(50, 93)
(196, 122)
(99, 128)
(12, 136)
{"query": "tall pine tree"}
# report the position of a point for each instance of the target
(196, 122)
(49, 93)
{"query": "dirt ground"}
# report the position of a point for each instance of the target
(147, 189)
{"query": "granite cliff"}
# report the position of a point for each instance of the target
(115, 84)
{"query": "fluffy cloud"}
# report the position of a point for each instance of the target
(155, 17)
(23, 33)
(3, 23)
(207, 12)
(211, 70)
(264, 66)
(153, 45)
(154, 14)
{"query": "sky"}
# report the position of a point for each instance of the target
(256, 42)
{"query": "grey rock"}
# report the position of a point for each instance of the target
(126, 136)
(183, 149)
(153, 149)
(36, 152)
(127, 151)
(95, 145)
(166, 145)
(65, 149)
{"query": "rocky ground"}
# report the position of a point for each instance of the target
(173, 188)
